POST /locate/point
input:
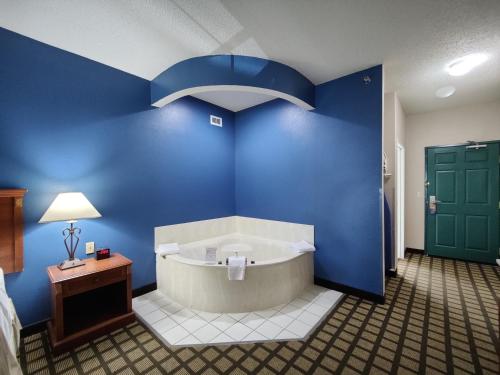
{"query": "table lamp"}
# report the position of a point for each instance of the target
(70, 207)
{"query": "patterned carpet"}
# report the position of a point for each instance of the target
(441, 316)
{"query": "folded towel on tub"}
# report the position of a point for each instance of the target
(168, 249)
(236, 266)
(302, 247)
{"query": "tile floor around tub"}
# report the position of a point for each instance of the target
(179, 326)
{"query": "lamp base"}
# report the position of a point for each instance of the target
(71, 264)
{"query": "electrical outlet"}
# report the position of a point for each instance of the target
(89, 247)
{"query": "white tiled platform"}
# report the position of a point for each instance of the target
(180, 326)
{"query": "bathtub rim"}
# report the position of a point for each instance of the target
(237, 236)
(200, 263)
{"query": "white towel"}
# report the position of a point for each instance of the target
(236, 266)
(302, 247)
(168, 249)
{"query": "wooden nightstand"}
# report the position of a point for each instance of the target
(89, 301)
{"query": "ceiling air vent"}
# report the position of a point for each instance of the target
(216, 121)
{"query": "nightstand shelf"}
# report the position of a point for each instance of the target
(89, 301)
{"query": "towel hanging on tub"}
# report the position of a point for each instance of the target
(236, 266)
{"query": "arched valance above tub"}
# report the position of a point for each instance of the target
(237, 73)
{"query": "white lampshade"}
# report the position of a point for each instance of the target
(68, 207)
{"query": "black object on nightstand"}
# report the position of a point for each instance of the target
(102, 254)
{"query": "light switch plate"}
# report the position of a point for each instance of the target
(89, 247)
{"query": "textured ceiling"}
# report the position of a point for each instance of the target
(324, 40)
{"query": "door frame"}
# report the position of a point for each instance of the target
(426, 149)
(400, 202)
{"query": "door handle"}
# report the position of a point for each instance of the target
(432, 199)
(433, 204)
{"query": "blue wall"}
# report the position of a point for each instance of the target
(323, 168)
(71, 124)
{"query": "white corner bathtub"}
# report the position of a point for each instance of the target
(277, 276)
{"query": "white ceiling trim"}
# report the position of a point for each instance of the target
(193, 91)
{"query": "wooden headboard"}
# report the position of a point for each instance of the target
(11, 229)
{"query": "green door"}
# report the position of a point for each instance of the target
(464, 222)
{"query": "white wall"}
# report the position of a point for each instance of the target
(389, 144)
(394, 133)
(400, 123)
(400, 138)
(479, 122)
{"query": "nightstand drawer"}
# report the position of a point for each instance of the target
(93, 281)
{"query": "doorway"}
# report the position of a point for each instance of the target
(400, 201)
(462, 201)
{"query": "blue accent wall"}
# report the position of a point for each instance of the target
(70, 124)
(321, 167)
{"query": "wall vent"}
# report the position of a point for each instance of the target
(216, 121)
